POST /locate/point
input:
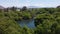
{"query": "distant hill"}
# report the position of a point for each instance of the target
(1, 7)
(33, 7)
(58, 6)
(39, 7)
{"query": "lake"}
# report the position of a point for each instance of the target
(29, 23)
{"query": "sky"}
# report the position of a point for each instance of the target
(21, 3)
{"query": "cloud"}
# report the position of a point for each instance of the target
(20, 3)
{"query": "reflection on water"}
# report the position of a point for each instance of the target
(28, 23)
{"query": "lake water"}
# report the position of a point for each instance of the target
(29, 23)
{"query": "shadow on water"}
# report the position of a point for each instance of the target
(29, 23)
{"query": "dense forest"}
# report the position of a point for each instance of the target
(47, 20)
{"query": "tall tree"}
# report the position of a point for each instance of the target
(24, 8)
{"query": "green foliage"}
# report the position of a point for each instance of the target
(47, 21)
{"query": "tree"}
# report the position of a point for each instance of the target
(24, 8)
(13, 8)
(57, 31)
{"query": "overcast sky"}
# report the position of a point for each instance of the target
(39, 3)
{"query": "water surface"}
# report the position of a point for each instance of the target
(28, 23)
